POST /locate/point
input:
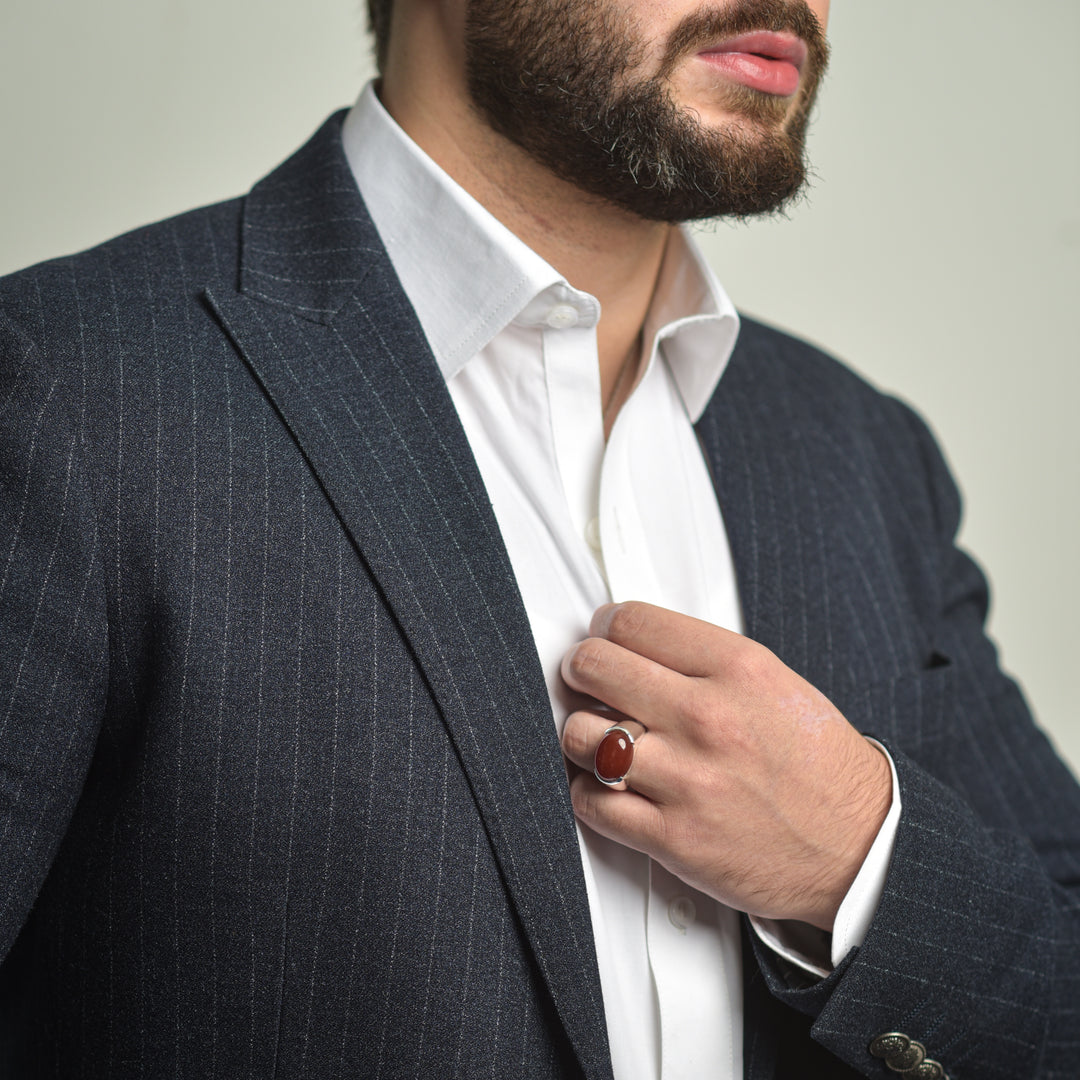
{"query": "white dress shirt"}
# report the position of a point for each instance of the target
(586, 522)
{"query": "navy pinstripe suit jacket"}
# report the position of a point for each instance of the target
(280, 795)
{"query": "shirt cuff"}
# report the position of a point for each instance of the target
(808, 947)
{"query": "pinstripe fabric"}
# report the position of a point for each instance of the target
(279, 794)
(841, 516)
(266, 856)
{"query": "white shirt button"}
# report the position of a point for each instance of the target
(562, 317)
(682, 913)
(592, 534)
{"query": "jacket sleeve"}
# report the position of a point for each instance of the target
(53, 638)
(975, 948)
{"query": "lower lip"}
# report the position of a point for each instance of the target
(779, 77)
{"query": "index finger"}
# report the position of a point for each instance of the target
(633, 684)
(675, 641)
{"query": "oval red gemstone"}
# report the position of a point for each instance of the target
(614, 755)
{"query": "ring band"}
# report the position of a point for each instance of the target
(615, 754)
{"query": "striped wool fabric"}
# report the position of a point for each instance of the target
(280, 793)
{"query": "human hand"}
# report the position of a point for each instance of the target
(749, 784)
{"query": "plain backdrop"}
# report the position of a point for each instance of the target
(938, 250)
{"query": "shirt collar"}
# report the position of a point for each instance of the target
(468, 277)
(693, 320)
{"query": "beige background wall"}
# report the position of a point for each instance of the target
(939, 251)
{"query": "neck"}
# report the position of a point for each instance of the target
(597, 247)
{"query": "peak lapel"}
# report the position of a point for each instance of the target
(324, 326)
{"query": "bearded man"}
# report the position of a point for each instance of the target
(443, 639)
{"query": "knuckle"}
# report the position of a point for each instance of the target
(749, 664)
(679, 836)
(583, 798)
(698, 711)
(574, 740)
(585, 661)
(626, 621)
(691, 707)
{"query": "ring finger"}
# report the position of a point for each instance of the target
(585, 730)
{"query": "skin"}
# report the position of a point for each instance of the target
(749, 785)
(599, 248)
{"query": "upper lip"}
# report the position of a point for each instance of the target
(768, 43)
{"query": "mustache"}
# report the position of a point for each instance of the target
(706, 27)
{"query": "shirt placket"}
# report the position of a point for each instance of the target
(691, 940)
(573, 382)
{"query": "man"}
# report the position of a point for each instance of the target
(314, 502)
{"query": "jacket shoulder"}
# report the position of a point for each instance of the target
(810, 386)
(780, 355)
(190, 250)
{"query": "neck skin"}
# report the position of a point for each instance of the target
(597, 247)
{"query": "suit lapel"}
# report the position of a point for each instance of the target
(323, 324)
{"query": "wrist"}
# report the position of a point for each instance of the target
(858, 823)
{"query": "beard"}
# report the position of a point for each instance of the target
(554, 77)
